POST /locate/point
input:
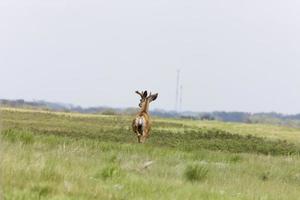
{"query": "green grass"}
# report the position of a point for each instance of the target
(47, 155)
(195, 173)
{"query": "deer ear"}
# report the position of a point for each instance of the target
(145, 94)
(153, 97)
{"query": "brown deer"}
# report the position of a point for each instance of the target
(141, 125)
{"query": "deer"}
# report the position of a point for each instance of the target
(141, 124)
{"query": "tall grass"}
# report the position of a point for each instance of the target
(195, 173)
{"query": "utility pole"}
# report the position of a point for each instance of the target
(180, 99)
(177, 90)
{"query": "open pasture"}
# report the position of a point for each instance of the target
(48, 155)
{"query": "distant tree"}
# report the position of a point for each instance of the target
(207, 117)
(109, 112)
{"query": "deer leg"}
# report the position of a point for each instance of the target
(143, 137)
(139, 138)
(142, 140)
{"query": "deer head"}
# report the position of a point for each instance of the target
(145, 98)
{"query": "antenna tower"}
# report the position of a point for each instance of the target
(177, 90)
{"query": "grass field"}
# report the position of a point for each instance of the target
(47, 155)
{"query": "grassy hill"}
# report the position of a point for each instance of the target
(56, 155)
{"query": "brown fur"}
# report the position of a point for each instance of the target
(143, 132)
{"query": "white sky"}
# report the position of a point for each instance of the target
(235, 55)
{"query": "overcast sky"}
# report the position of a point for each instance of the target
(234, 55)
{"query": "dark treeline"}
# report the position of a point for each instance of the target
(244, 117)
